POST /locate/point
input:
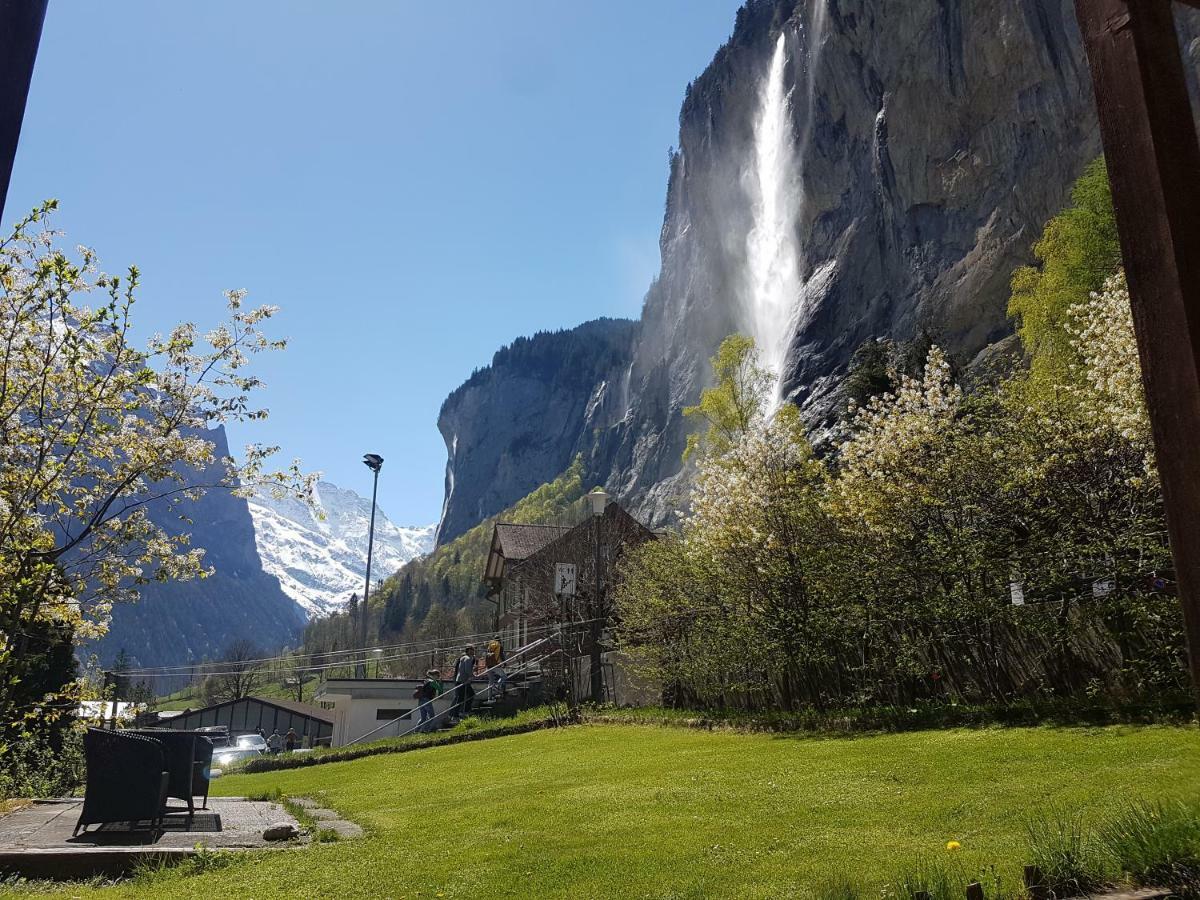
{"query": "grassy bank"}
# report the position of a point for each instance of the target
(636, 811)
(469, 729)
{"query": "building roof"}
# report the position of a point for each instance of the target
(614, 512)
(292, 706)
(517, 543)
(521, 541)
(512, 543)
(300, 709)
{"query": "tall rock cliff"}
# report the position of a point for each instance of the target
(847, 169)
(177, 623)
(529, 413)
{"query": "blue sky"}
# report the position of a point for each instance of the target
(414, 184)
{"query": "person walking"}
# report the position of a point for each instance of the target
(495, 666)
(430, 688)
(290, 740)
(464, 671)
(275, 742)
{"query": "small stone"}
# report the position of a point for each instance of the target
(281, 831)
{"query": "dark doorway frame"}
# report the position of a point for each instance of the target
(1153, 157)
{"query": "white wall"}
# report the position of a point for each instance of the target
(357, 705)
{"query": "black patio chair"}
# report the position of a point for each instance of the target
(126, 780)
(202, 768)
(188, 757)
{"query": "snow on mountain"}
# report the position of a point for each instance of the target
(321, 562)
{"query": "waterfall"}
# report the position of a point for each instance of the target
(773, 285)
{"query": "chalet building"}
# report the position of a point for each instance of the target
(541, 575)
(510, 586)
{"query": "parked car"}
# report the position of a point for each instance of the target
(218, 734)
(228, 756)
(251, 741)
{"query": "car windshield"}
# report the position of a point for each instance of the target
(251, 740)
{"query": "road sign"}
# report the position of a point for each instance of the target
(564, 579)
(1017, 591)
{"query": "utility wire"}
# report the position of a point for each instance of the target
(144, 674)
(184, 669)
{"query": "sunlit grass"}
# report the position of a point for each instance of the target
(636, 811)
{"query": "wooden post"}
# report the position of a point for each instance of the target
(1033, 883)
(20, 33)
(974, 891)
(1153, 157)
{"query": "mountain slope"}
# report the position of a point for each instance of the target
(176, 623)
(321, 562)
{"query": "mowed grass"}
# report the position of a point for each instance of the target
(643, 811)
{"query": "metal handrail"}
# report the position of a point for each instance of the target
(522, 651)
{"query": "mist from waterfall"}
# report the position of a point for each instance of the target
(773, 284)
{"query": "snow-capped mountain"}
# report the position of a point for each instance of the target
(321, 562)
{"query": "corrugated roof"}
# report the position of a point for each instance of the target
(522, 541)
(300, 709)
(292, 706)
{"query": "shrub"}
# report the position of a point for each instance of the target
(940, 879)
(1158, 844)
(35, 767)
(1065, 851)
(839, 887)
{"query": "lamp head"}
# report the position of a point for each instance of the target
(373, 461)
(598, 499)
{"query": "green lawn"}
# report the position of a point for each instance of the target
(642, 811)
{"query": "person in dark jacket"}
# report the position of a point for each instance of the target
(429, 689)
(464, 671)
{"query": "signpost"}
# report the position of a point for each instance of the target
(564, 579)
(564, 590)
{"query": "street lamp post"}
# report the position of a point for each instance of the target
(374, 462)
(378, 653)
(599, 499)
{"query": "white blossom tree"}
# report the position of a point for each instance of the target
(96, 430)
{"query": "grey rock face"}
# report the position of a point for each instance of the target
(932, 140)
(528, 414)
